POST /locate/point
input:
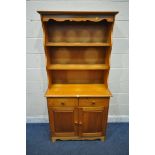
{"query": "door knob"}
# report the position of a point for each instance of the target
(80, 123)
(93, 103)
(62, 103)
(76, 122)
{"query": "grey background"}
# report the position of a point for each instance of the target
(35, 67)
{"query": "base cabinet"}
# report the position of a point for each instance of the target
(78, 118)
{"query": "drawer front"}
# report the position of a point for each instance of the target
(93, 102)
(62, 102)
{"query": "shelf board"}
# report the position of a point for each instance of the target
(78, 67)
(77, 44)
(78, 90)
(43, 12)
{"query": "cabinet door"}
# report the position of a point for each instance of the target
(63, 121)
(92, 121)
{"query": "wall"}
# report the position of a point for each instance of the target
(35, 68)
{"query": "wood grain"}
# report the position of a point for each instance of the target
(78, 49)
(77, 44)
(77, 67)
(78, 90)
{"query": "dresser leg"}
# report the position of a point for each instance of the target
(53, 140)
(103, 139)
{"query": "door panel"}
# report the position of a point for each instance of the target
(63, 121)
(92, 121)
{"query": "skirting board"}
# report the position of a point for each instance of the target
(44, 119)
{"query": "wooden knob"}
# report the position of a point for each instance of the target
(62, 103)
(93, 103)
(76, 122)
(80, 123)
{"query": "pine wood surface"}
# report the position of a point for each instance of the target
(76, 44)
(78, 67)
(77, 48)
(78, 90)
(48, 12)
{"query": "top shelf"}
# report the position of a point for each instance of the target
(77, 44)
(44, 12)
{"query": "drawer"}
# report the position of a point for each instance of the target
(62, 102)
(93, 102)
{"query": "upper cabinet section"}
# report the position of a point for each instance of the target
(77, 28)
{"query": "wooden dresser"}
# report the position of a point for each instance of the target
(77, 47)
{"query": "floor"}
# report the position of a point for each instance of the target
(38, 142)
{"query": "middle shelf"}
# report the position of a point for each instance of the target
(77, 44)
(78, 67)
